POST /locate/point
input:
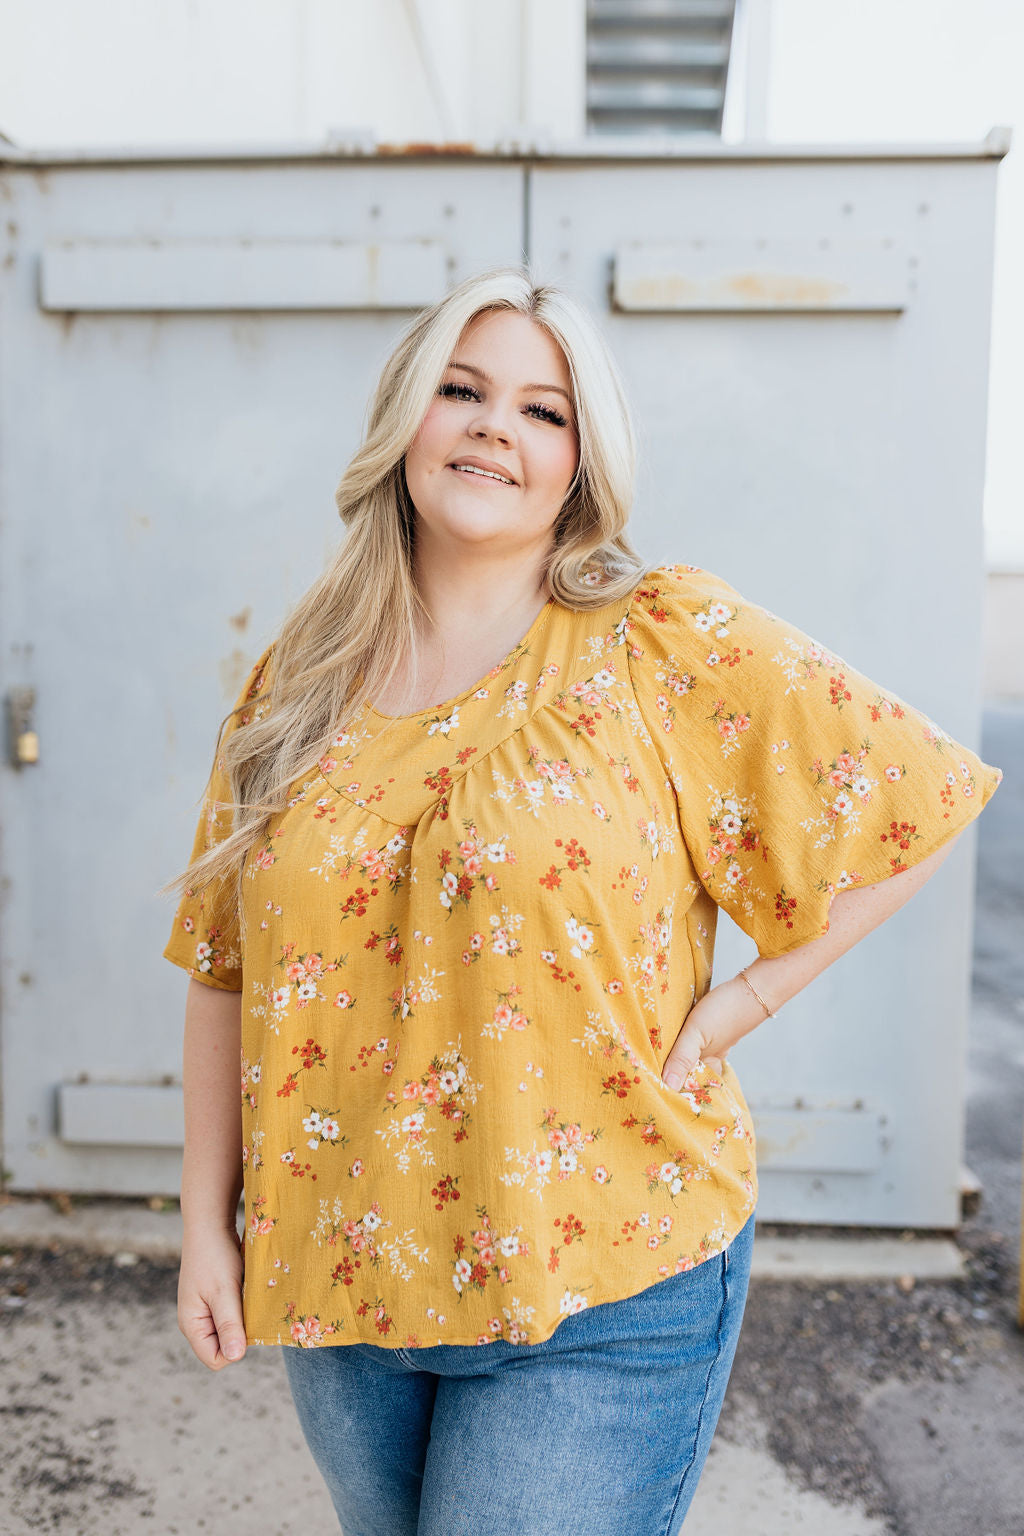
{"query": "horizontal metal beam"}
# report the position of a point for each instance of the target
(241, 275)
(631, 13)
(656, 53)
(763, 275)
(121, 1114)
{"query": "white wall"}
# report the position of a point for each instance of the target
(118, 72)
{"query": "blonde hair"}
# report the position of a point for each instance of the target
(342, 641)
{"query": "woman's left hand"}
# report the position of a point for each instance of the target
(712, 1027)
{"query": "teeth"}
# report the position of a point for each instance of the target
(471, 469)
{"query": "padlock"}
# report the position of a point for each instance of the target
(27, 747)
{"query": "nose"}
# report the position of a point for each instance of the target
(494, 420)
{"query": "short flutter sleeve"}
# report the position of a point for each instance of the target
(794, 774)
(205, 934)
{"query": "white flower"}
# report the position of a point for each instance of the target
(460, 1276)
(572, 1301)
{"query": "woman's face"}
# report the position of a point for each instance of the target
(505, 398)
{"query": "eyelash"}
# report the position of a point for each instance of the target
(550, 414)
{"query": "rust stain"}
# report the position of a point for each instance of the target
(449, 147)
(240, 621)
(659, 292)
(782, 288)
(741, 290)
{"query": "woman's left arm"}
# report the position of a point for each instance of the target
(729, 1011)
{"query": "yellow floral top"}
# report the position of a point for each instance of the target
(474, 934)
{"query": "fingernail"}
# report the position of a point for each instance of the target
(234, 1351)
(673, 1079)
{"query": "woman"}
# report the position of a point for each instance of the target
(453, 901)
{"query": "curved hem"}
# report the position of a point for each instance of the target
(551, 1327)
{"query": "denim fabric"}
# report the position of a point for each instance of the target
(601, 1429)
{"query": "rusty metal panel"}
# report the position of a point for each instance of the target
(764, 274)
(228, 275)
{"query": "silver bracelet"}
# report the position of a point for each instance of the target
(757, 994)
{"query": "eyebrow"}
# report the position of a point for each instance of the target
(551, 389)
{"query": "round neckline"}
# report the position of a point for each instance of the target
(459, 698)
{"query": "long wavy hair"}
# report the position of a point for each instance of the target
(341, 643)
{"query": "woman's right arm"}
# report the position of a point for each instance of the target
(212, 1255)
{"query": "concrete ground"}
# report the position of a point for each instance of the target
(878, 1388)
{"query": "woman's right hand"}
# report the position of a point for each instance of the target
(210, 1295)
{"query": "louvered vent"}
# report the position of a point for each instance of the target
(657, 66)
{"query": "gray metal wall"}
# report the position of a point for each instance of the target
(188, 347)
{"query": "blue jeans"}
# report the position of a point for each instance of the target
(600, 1429)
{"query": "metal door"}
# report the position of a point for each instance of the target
(188, 351)
(804, 337)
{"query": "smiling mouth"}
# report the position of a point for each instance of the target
(480, 474)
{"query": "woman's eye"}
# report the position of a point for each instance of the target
(549, 414)
(449, 389)
(546, 412)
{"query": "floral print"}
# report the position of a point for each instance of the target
(473, 935)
